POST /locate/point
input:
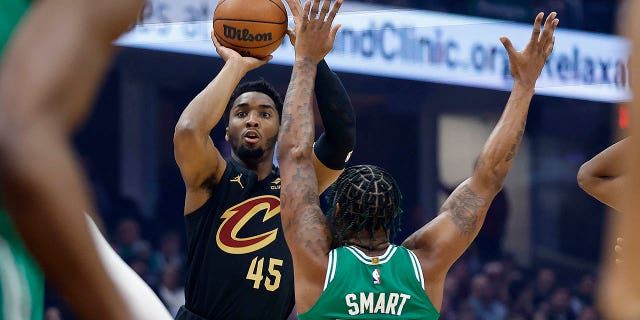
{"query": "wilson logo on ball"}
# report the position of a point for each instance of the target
(253, 28)
(233, 33)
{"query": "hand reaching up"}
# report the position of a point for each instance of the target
(314, 32)
(526, 65)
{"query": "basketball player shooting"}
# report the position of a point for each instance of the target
(239, 265)
(367, 277)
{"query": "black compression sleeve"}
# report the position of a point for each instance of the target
(339, 120)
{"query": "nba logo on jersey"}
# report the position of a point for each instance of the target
(376, 276)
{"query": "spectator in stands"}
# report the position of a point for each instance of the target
(544, 286)
(588, 313)
(494, 271)
(521, 296)
(584, 293)
(129, 245)
(170, 253)
(560, 305)
(171, 290)
(483, 299)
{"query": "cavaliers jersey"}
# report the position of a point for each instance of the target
(239, 265)
(387, 287)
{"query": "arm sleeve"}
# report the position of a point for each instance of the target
(339, 137)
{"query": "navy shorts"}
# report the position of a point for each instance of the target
(184, 314)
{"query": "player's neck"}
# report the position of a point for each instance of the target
(371, 246)
(262, 167)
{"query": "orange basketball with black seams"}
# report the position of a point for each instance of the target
(251, 27)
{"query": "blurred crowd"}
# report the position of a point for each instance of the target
(156, 252)
(501, 289)
(474, 289)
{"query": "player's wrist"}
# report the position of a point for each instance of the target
(524, 86)
(238, 64)
(306, 60)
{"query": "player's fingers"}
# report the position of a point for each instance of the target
(216, 43)
(618, 249)
(325, 9)
(305, 11)
(547, 33)
(554, 24)
(334, 11)
(294, 5)
(552, 29)
(536, 27)
(620, 240)
(507, 45)
(334, 31)
(314, 9)
(292, 37)
(549, 48)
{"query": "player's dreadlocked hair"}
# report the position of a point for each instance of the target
(369, 200)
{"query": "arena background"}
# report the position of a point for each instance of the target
(428, 80)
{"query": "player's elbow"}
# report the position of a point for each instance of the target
(112, 18)
(586, 178)
(491, 177)
(185, 131)
(492, 181)
(294, 152)
(583, 177)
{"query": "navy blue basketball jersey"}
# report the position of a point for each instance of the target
(239, 265)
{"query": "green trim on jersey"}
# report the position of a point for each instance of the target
(11, 12)
(21, 281)
(387, 287)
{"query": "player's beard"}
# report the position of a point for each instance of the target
(250, 156)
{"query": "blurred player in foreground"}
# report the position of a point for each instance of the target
(620, 287)
(54, 53)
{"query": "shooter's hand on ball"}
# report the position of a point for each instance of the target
(227, 54)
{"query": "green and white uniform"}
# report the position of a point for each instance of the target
(11, 12)
(387, 287)
(21, 281)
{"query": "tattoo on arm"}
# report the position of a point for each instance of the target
(463, 210)
(311, 228)
(516, 143)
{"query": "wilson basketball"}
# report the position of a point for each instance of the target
(251, 27)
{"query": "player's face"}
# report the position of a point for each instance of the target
(253, 126)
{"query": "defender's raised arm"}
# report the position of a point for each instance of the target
(441, 242)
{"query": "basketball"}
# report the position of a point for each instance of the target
(251, 27)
